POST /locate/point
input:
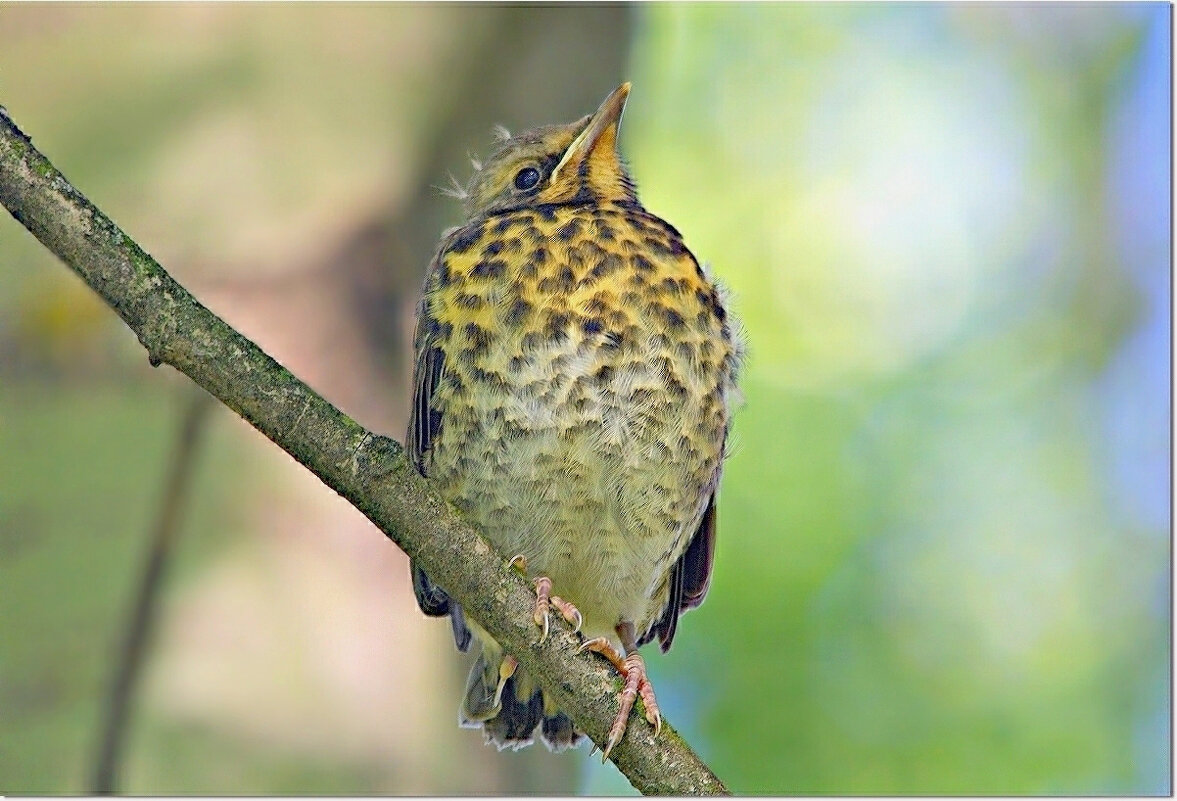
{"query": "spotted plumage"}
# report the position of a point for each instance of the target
(573, 383)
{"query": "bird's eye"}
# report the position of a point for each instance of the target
(527, 178)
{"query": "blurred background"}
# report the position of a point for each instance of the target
(944, 560)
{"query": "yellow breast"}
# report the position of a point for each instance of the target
(588, 362)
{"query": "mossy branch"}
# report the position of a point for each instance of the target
(367, 469)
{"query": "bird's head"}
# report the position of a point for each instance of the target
(558, 164)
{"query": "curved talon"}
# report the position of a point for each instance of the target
(568, 611)
(614, 739)
(653, 714)
(519, 562)
(595, 644)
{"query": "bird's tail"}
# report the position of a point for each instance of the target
(508, 706)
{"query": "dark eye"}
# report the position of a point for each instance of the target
(527, 178)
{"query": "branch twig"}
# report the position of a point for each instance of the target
(367, 469)
(141, 623)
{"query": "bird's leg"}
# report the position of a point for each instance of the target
(544, 600)
(633, 668)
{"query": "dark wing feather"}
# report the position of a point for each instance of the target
(698, 559)
(689, 579)
(424, 425)
(424, 419)
(430, 597)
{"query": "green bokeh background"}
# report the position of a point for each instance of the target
(944, 560)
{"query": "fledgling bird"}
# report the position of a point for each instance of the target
(574, 376)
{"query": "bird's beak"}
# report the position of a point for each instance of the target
(603, 125)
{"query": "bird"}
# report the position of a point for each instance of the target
(574, 376)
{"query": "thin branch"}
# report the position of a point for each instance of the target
(367, 469)
(141, 622)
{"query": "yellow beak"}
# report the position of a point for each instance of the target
(609, 114)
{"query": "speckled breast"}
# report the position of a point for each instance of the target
(583, 397)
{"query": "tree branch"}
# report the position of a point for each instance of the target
(141, 622)
(369, 470)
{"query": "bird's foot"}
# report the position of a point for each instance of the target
(544, 600)
(633, 668)
(506, 670)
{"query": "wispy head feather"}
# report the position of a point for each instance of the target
(500, 133)
(455, 190)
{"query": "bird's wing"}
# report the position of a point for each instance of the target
(424, 417)
(424, 425)
(689, 579)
